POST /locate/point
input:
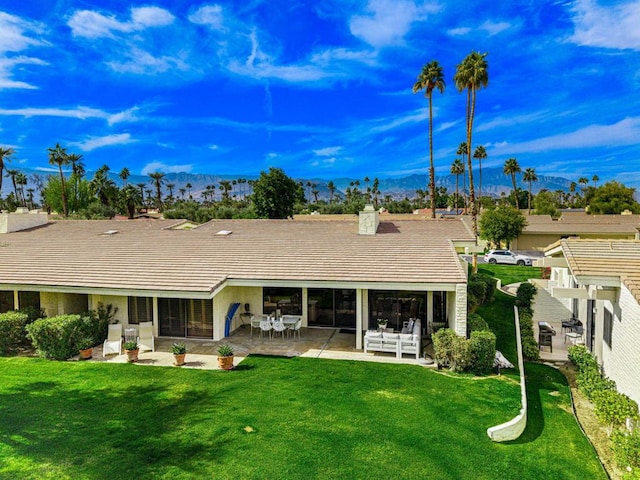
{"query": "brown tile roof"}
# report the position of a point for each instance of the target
(606, 258)
(573, 223)
(147, 255)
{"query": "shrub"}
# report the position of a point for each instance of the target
(590, 381)
(524, 295)
(98, 329)
(582, 358)
(626, 450)
(12, 331)
(480, 289)
(55, 338)
(613, 408)
(530, 348)
(461, 359)
(443, 345)
(482, 348)
(475, 323)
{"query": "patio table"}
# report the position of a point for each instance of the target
(256, 319)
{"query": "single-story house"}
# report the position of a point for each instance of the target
(599, 282)
(342, 273)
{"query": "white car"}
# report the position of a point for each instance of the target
(506, 256)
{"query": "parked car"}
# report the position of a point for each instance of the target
(506, 256)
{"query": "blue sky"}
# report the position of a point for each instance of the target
(321, 89)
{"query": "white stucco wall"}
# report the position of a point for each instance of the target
(460, 316)
(119, 302)
(229, 295)
(63, 303)
(14, 222)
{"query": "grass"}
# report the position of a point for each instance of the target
(510, 273)
(279, 418)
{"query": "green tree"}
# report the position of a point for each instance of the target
(613, 198)
(480, 154)
(103, 187)
(332, 190)
(59, 156)
(457, 169)
(275, 194)
(129, 198)
(511, 167)
(12, 173)
(5, 156)
(158, 179)
(124, 176)
(501, 224)
(545, 203)
(463, 151)
(530, 177)
(431, 78)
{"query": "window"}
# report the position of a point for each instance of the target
(140, 310)
(397, 307)
(608, 327)
(6, 301)
(181, 317)
(29, 299)
(287, 300)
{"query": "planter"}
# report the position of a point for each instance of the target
(132, 355)
(86, 353)
(178, 359)
(225, 363)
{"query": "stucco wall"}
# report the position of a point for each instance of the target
(14, 222)
(229, 295)
(63, 303)
(119, 302)
(460, 316)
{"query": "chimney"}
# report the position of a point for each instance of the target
(369, 221)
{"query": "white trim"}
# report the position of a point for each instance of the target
(107, 291)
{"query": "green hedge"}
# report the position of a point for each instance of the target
(461, 355)
(524, 295)
(482, 346)
(443, 341)
(626, 450)
(12, 331)
(530, 348)
(480, 290)
(56, 338)
(475, 323)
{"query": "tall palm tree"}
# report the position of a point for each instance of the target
(170, 187)
(332, 189)
(431, 77)
(59, 156)
(511, 167)
(157, 178)
(124, 176)
(457, 169)
(480, 153)
(463, 151)
(12, 173)
(5, 156)
(595, 179)
(103, 187)
(471, 75)
(21, 180)
(530, 177)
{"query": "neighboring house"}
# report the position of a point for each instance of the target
(599, 282)
(542, 230)
(342, 273)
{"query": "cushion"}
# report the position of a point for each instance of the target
(390, 336)
(406, 336)
(371, 334)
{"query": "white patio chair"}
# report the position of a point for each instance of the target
(278, 326)
(145, 336)
(265, 326)
(295, 328)
(113, 343)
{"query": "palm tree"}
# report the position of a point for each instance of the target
(480, 153)
(595, 179)
(332, 189)
(471, 75)
(170, 187)
(457, 169)
(129, 197)
(124, 175)
(30, 191)
(431, 77)
(463, 151)
(59, 156)
(530, 176)
(102, 186)
(5, 156)
(141, 187)
(188, 186)
(77, 168)
(21, 179)
(511, 167)
(157, 178)
(11, 173)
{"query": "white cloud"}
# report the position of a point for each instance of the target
(385, 124)
(91, 143)
(165, 168)
(494, 28)
(142, 62)
(81, 113)
(214, 147)
(459, 31)
(327, 151)
(209, 15)
(92, 24)
(513, 120)
(613, 26)
(386, 22)
(15, 38)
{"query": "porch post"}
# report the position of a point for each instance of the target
(359, 318)
(16, 300)
(461, 310)
(156, 327)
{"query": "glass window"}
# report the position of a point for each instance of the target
(332, 307)
(608, 327)
(440, 307)
(140, 310)
(397, 307)
(183, 317)
(6, 301)
(287, 300)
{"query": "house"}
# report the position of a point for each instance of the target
(542, 230)
(343, 273)
(599, 283)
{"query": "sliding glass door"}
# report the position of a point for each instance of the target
(180, 317)
(332, 308)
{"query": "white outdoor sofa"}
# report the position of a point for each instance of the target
(398, 343)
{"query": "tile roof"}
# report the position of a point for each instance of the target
(148, 255)
(577, 223)
(606, 258)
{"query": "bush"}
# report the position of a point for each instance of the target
(55, 338)
(626, 450)
(461, 359)
(613, 408)
(97, 325)
(475, 323)
(530, 349)
(482, 348)
(443, 346)
(582, 358)
(590, 381)
(480, 290)
(524, 295)
(12, 331)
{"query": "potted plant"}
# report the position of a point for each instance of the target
(179, 350)
(225, 357)
(85, 346)
(382, 323)
(131, 349)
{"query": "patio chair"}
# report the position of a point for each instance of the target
(278, 327)
(113, 343)
(265, 326)
(295, 329)
(145, 336)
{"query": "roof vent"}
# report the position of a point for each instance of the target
(224, 233)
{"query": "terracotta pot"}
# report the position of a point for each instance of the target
(225, 363)
(179, 359)
(132, 355)
(85, 353)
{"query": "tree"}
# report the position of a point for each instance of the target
(103, 187)
(21, 180)
(332, 189)
(511, 167)
(275, 194)
(595, 180)
(431, 77)
(457, 169)
(501, 224)
(129, 197)
(5, 156)
(124, 175)
(480, 153)
(58, 156)
(613, 198)
(157, 180)
(463, 151)
(530, 177)
(12, 173)
(545, 204)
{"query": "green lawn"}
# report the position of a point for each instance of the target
(510, 273)
(308, 419)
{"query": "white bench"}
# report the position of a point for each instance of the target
(398, 343)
